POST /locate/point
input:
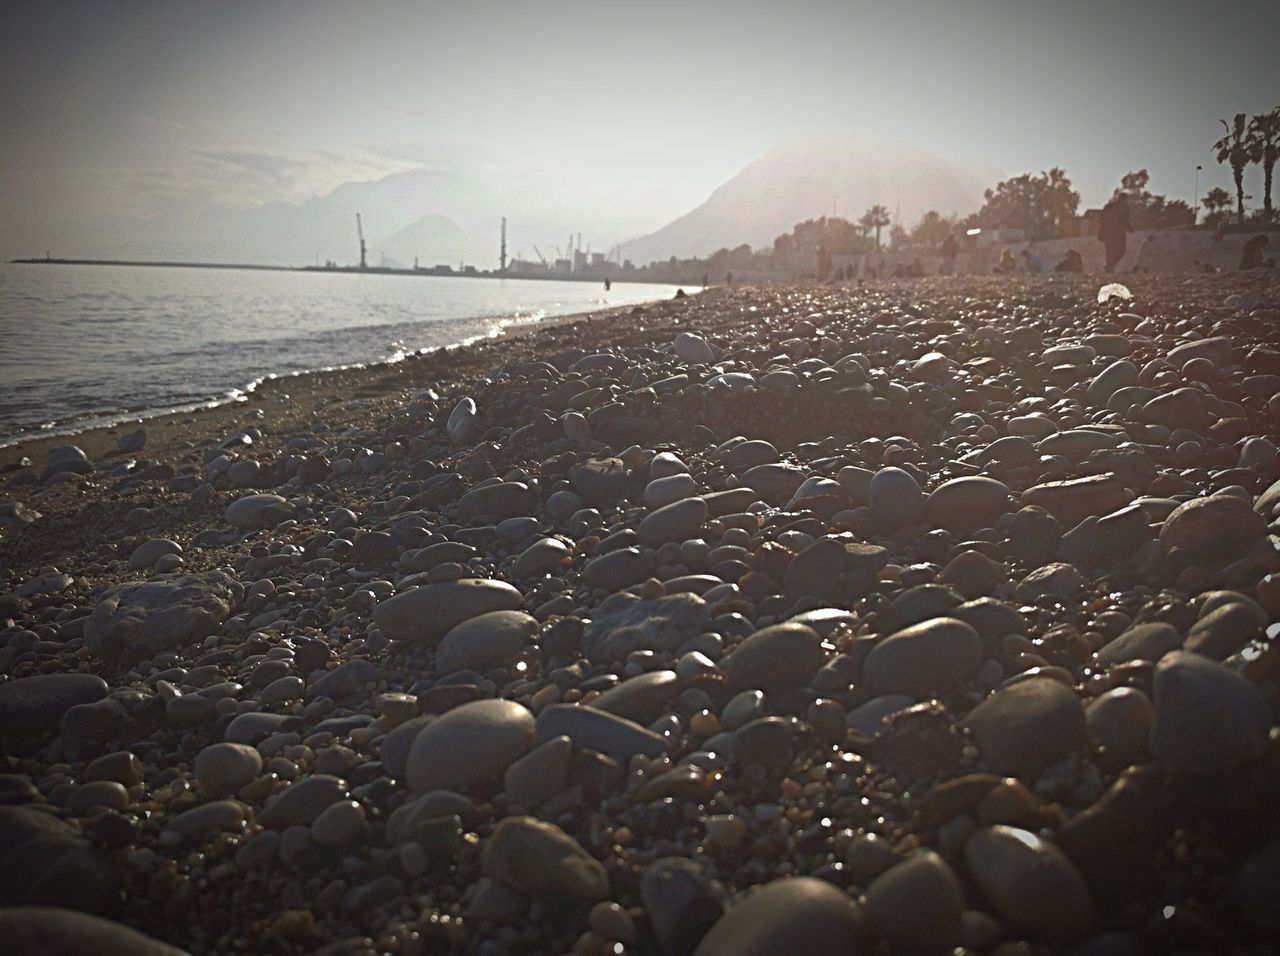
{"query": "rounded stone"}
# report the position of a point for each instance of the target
(99, 794)
(1119, 374)
(749, 454)
(677, 522)
(226, 767)
(542, 860)
(641, 698)
(661, 492)
(916, 905)
(618, 569)
(600, 731)
(340, 824)
(207, 819)
(463, 421)
(474, 742)
(1149, 641)
(928, 657)
(1119, 722)
(895, 498)
(149, 552)
(425, 614)
(540, 774)
(963, 504)
(792, 915)
(257, 511)
(301, 802)
(1031, 884)
(485, 641)
(41, 700)
(1212, 526)
(544, 556)
(774, 483)
(1208, 717)
(122, 767)
(775, 659)
(503, 499)
(693, 348)
(29, 930)
(1072, 500)
(1026, 727)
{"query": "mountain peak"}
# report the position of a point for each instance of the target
(803, 177)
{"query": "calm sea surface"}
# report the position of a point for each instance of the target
(87, 345)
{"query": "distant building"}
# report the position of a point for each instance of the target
(1090, 222)
(525, 267)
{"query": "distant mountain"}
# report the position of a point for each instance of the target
(438, 216)
(431, 240)
(800, 179)
(324, 227)
(434, 215)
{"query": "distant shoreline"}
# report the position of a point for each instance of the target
(344, 270)
(295, 393)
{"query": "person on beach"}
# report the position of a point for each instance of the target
(1070, 262)
(1143, 263)
(1113, 230)
(1251, 255)
(949, 249)
(1007, 264)
(1032, 262)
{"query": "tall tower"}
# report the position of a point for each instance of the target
(502, 253)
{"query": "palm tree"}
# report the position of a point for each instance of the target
(1264, 135)
(875, 219)
(1216, 202)
(1236, 150)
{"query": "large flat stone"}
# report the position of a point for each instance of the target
(144, 619)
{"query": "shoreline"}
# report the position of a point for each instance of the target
(276, 390)
(436, 272)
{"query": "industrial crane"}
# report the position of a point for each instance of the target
(540, 256)
(364, 264)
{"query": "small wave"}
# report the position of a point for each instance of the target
(488, 324)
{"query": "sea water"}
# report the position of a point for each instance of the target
(82, 346)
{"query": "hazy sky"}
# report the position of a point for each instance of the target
(115, 111)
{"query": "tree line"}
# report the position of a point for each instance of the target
(1250, 141)
(1039, 204)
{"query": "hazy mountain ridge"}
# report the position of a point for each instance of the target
(439, 216)
(801, 179)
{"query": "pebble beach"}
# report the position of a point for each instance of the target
(906, 617)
